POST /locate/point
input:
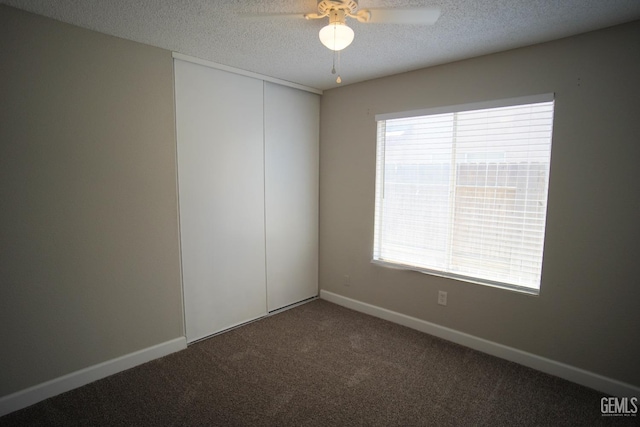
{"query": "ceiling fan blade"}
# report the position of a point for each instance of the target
(271, 15)
(415, 16)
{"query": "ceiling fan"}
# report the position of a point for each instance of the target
(337, 35)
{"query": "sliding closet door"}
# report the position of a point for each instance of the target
(221, 190)
(291, 190)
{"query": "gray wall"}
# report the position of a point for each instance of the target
(89, 248)
(587, 314)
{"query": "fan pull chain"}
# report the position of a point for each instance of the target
(333, 69)
(338, 80)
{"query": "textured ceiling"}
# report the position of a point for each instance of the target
(288, 48)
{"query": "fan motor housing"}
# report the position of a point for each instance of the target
(325, 6)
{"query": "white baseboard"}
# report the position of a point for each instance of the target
(571, 373)
(37, 393)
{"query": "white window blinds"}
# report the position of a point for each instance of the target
(462, 191)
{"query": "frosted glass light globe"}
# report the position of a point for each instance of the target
(336, 36)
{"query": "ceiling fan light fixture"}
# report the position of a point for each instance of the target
(337, 35)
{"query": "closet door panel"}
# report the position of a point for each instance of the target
(219, 121)
(291, 194)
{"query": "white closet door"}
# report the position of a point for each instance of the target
(291, 190)
(219, 119)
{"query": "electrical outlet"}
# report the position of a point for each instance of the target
(346, 280)
(442, 298)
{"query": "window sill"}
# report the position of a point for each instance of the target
(459, 277)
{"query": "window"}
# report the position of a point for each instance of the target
(462, 191)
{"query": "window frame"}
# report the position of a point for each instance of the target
(379, 181)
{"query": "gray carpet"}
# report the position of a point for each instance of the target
(323, 365)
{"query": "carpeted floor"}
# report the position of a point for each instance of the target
(323, 365)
